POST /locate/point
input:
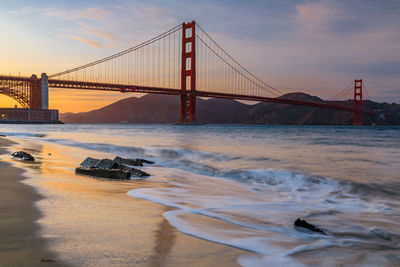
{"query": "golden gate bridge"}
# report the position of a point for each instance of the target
(183, 61)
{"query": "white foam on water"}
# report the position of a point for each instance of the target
(258, 215)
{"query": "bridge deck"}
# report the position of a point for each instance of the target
(170, 91)
(124, 88)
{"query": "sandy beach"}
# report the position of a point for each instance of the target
(20, 243)
(88, 222)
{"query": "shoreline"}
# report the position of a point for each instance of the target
(122, 221)
(21, 243)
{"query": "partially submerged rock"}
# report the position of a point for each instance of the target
(21, 155)
(105, 164)
(139, 173)
(144, 161)
(304, 224)
(104, 173)
(89, 163)
(132, 162)
(133, 171)
(119, 168)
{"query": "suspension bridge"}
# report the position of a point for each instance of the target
(183, 61)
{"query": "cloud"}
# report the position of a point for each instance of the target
(84, 24)
(23, 10)
(117, 25)
(333, 35)
(94, 13)
(100, 32)
(326, 46)
(88, 14)
(322, 19)
(315, 14)
(144, 19)
(87, 41)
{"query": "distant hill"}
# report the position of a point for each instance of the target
(165, 109)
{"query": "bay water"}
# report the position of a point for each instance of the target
(244, 186)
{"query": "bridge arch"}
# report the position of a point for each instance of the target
(26, 91)
(19, 96)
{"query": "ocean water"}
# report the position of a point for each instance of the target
(244, 186)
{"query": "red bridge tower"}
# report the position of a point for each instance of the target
(357, 115)
(188, 70)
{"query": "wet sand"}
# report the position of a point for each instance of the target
(20, 244)
(90, 222)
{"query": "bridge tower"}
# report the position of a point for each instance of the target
(44, 84)
(357, 115)
(39, 92)
(35, 101)
(188, 73)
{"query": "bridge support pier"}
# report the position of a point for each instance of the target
(45, 91)
(188, 73)
(35, 92)
(357, 115)
(39, 92)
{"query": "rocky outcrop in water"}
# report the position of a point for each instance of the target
(132, 162)
(115, 174)
(21, 155)
(304, 224)
(119, 168)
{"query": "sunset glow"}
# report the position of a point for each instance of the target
(200, 133)
(318, 48)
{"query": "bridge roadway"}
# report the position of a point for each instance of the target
(13, 82)
(169, 91)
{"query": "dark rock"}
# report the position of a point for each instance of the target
(21, 155)
(139, 173)
(133, 171)
(89, 163)
(47, 260)
(105, 164)
(2, 135)
(304, 224)
(145, 161)
(132, 162)
(104, 173)
(119, 168)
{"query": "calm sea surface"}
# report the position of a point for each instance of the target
(244, 186)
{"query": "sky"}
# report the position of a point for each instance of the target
(317, 47)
